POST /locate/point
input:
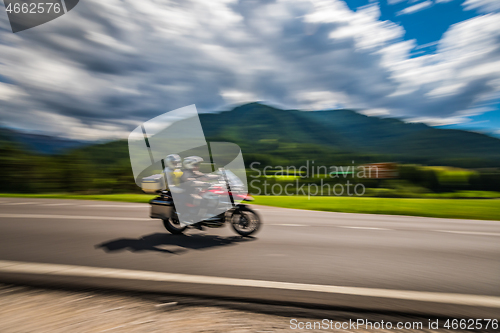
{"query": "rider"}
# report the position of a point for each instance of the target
(173, 173)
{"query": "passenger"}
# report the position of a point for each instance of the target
(173, 173)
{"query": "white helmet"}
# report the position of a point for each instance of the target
(173, 161)
(192, 161)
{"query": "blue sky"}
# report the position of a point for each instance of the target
(487, 123)
(427, 27)
(105, 67)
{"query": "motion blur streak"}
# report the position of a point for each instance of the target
(69, 270)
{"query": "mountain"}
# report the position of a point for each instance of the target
(37, 143)
(262, 129)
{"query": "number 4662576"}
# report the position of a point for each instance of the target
(33, 8)
(471, 324)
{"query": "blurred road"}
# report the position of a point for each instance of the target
(355, 250)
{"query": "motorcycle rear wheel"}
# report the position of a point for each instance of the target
(245, 221)
(173, 226)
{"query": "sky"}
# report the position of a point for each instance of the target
(106, 66)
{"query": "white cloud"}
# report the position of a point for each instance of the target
(415, 8)
(483, 6)
(363, 25)
(72, 128)
(375, 112)
(9, 92)
(238, 97)
(393, 2)
(482, 70)
(435, 121)
(426, 45)
(446, 90)
(321, 100)
(474, 111)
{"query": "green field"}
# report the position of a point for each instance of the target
(483, 209)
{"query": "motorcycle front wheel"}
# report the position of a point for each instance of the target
(173, 226)
(245, 221)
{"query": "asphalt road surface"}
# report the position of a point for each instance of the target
(295, 246)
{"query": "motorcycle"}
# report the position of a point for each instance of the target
(225, 196)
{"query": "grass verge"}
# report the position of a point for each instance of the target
(480, 209)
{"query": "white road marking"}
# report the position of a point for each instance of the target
(89, 272)
(290, 211)
(113, 206)
(470, 233)
(57, 204)
(365, 228)
(23, 203)
(289, 225)
(71, 217)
